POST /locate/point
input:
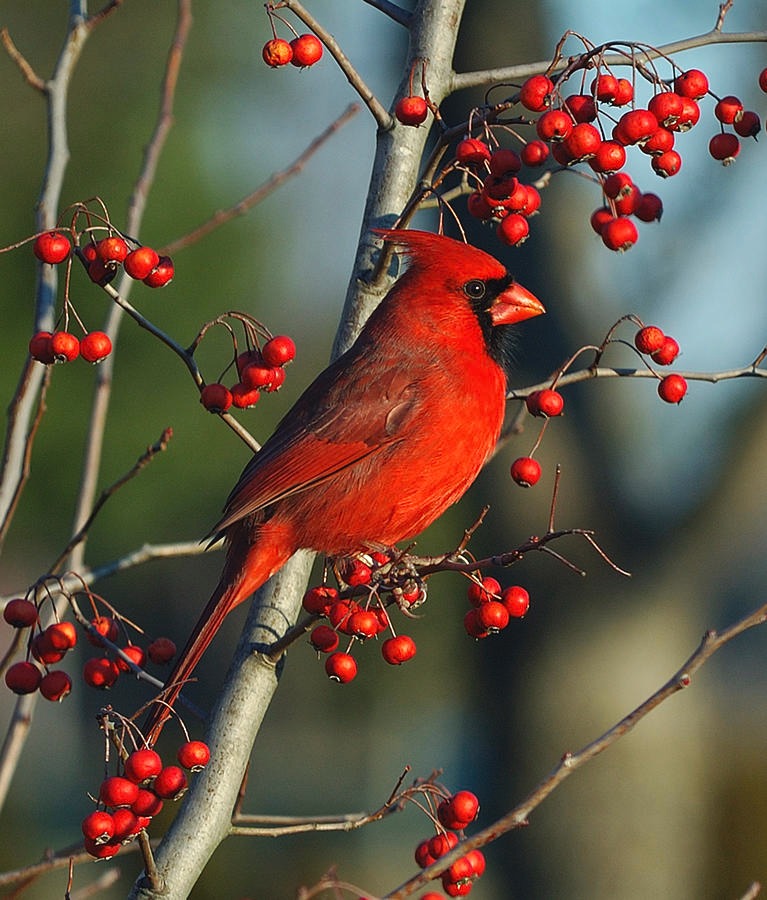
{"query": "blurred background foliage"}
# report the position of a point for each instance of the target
(675, 494)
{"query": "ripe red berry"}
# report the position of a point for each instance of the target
(728, 109)
(423, 855)
(341, 667)
(666, 353)
(356, 572)
(516, 600)
(442, 843)
(140, 262)
(583, 141)
(117, 792)
(462, 808)
(411, 110)
(95, 346)
(554, 125)
(40, 347)
(43, 650)
(460, 872)
(65, 346)
(471, 151)
(102, 851)
(216, 397)
(667, 107)
(479, 593)
(619, 233)
(161, 651)
(161, 274)
(478, 207)
(493, 616)
(610, 157)
(534, 153)
(649, 339)
(363, 624)
(535, 93)
(193, 755)
(23, 678)
(307, 50)
(52, 247)
(477, 860)
(581, 107)
(505, 162)
(61, 635)
(473, 626)
(749, 124)
(689, 118)
(20, 613)
(100, 672)
(667, 164)
(547, 402)
(525, 471)
(279, 350)
(244, 397)
(142, 764)
(624, 92)
(277, 52)
(672, 388)
(724, 147)
(693, 84)
(399, 649)
(319, 599)
(105, 626)
(112, 249)
(600, 217)
(98, 826)
(146, 804)
(513, 229)
(635, 127)
(604, 87)
(660, 142)
(170, 783)
(136, 655)
(649, 208)
(763, 80)
(126, 825)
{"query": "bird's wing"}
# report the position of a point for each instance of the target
(346, 415)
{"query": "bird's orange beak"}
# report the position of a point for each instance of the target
(515, 304)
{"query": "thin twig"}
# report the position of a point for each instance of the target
(24, 66)
(394, 12)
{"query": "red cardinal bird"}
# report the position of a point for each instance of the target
(385, 439)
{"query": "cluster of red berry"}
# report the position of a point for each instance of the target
(582, 129)
(48, 647)
(454, 813)
(303, 51)
(258, 370)
(128, 802)
(493, 607)
(662, 350)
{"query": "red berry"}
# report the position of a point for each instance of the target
(513, 229)
(102, 851)
(43, 650)
(583, 141)
(724, 147)
(340, 612)
(672, 388)
(728, 109)
(20, 613)
(471, 151)
(65, 346)
(667, 107)
(423, 855)
(667, 352)
(649, 208)
(363, 624)
(279, 350)
(442, 843)
(117, 792)
(604, 87)
(547, 402)
(649, 339)
(161, 274)
(479, 593)
(356, 572)
(98, 826)
(525, 471)
(307, 50)
(40, 347)
(61, 635)
(161, 650)
(617, 185)
(460, 871)
(105, 626)
(610, 157)
(534, 153)
(126, 825)
(277, 52)
(516, 600)
(100, 672)
(600, 217)
(140, 262)
(170, 783)
(147, 803)
(693, 84)
(581, 107)
(111, 249)
(194, 755)
(142, 764)
(320, 599)
(463, 806)
(619, 234)
(411, 110)
(660, 142)
(635, 127)
(341, 667)
(493, 616)
(505, 162)
(52, 247)
(216, 397)
(477, 860)
(478, 207)
(689, 118)
(136, 655)
(667, 164)
(763, 80)
(95, 346)
(399, 649)
(554, 125)
(624, 92)
(23, 678)
(473, 626)
(535, 93)
(533, 200)
(749, 124)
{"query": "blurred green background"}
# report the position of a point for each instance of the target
(675, 494)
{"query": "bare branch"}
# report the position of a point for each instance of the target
(394, 12)
(25, 67)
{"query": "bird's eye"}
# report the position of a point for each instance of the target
(475, 289)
